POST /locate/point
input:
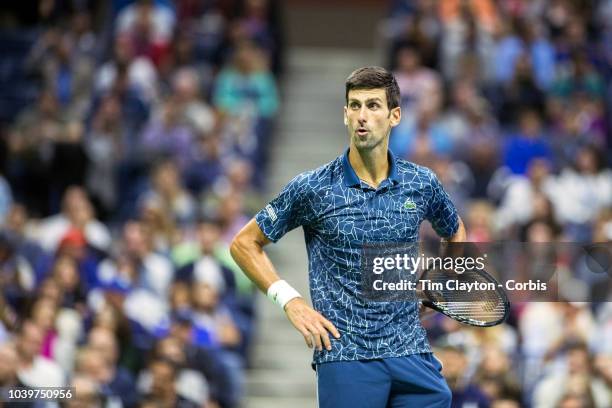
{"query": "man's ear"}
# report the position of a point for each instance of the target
(396, 116)
(344, 117)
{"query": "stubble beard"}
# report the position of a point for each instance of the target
(370, 143)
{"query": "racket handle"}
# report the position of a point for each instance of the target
(427, 303)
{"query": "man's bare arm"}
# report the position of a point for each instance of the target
(247, 251)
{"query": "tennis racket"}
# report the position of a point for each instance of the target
(485, 307)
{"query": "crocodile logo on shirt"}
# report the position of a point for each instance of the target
(410, 205)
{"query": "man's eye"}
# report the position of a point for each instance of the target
(374, 106)
(354, 106)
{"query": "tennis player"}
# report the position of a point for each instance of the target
(367, 354)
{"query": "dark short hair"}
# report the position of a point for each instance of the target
(374, 78)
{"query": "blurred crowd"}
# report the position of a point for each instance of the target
(133, 148)
(509, 102)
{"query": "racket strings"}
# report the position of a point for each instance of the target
(482, 305)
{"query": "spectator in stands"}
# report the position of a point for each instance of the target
(545, 329)
(521, 93)
(193, 50)
(43, 315)
(524, 194)
(36, 128)
(582, 192)
(575, 381)
(34, 370)
(65, 273)
(137, 73)
(207, 268)
(77, 212)
(427, 138)
(154, 271)
(246, 86)
(69, 328)
(68, 162)
(188, 91)
(527, 144)
(113, 318)
(17, 279)
(419, 26)
(17, 226)
(577, 123)
(455, 363)
(106, 144)
(136, 282)
(41, 121)
(166, 136)
(214, 327)
(82, 35)
(419, 85)
(479, 222)
(506, 402)
(9, 360)
(521, 38)
(466, 44)
(92, 364)
(231, 215)
(239, 177)
(149, 26)
(119, 381)
(67, 72)
(87, 393)
(163, 385)
(207, 163)
(207, 361)
(190, 383)
(420, 89)
(161, 225)
(212, 320)
(495, 375)
(167, 194)
(580, 77)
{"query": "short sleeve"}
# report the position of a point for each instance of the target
(287, 211)
(441, 211)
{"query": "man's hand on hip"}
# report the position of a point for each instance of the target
(310, 323)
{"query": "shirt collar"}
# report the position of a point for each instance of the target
(350, 177)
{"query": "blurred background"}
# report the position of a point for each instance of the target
(137, 137)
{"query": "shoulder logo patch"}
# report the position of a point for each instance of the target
(410, 205)
(271, 212)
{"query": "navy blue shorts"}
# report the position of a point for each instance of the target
(401, 382)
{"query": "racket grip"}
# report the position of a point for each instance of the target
(427, 303)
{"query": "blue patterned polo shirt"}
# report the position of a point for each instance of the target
(339, 214)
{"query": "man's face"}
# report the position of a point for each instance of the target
(102, 341)
(368, 118)
(163, 378)
(30, 341)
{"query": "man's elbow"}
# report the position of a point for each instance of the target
(243, 243)
(238, 245)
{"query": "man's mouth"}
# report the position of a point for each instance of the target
(362, 131)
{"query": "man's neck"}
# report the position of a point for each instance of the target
(371, 166)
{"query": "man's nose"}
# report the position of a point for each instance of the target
(362, 115)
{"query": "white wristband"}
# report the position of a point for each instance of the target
(280, 292)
